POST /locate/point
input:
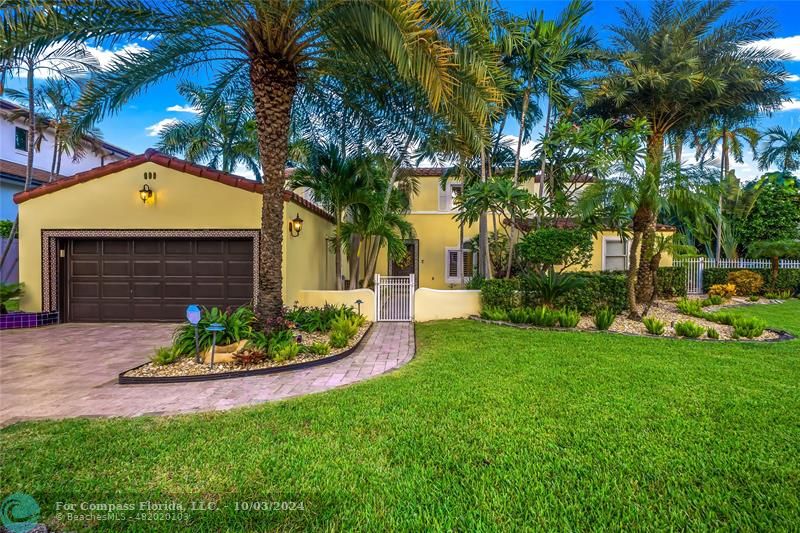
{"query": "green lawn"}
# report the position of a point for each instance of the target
(489, 427)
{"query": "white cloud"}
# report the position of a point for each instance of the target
(790, 105)
(792, 77)
(183, 109)
(787, 45)
(106, 58)
(49, 68)
(526, 150)
(158, 127)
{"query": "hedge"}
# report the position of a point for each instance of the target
(500, 293)
(671, 281)
(788, 278)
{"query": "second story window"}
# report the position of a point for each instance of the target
(448, 196)
(21, 139)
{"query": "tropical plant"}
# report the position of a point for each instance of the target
(568, 318)
(313, 319)
(286, 352)
(283, 52)
(712, 333)
(749, 327)
(774, 250)
(546, 248)
(345, 324)
(268, 344)
(725, 290)
(775, 214)
(604, 317)
(543, 316)
(338, 339)
(519, 315)
(746, 282)
(548, 287)
(653, 325)
(713, 299)
(318, 348)
(689, 329)
(690, 307)
(164, 355)
(679, 65)
(494, 313)
(8, 292)
(780, 148)
(223, 136)
(238, 325)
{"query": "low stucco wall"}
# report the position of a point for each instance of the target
(435, 304)
(319, 298)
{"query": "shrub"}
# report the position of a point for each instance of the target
(238, 326)
(543, 316)
(779, 295)
(348, 325)
(287, 351)
(500, 293)
(518, 315)
(721, 318)
(544, 248)
(756, 297)
(5, 228)
(747, 282)
(164, 355)
(714, 299)
(748, 327)
(269, 343)
(546, 289)
(494, 313)
(10, 291)
(689, 329)
(475, 283)
(338, 339)
(690, 307)
(604, 317)
(671, 281)
(313, 319)
(712, 333)
(597, 289)
(725, 290)
(318, 348)
(654, 326)
(568, 318)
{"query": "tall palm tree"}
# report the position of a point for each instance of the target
(676, 66)
(781, 148)
(222, 136)
(731, 133)
(282, 48)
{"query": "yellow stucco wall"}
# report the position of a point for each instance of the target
(434, 304)
(181, 201)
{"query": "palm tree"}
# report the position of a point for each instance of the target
(223, 136)
(781, 148)
(732, 133)
(679, 65)
(282, 49)
(774, 250)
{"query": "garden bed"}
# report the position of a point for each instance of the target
(186, 369)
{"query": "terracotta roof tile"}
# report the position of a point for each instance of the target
(164, 160)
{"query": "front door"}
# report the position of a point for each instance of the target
(409, 264)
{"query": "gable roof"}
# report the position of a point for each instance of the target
(181, 165)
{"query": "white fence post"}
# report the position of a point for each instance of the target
(377, 297)
(696, 266)
(411, 294)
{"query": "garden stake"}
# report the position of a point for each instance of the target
(214, 328)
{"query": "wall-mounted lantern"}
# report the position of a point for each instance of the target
(145, 193)
(295, 226)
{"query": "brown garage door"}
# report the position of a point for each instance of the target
(117, 280)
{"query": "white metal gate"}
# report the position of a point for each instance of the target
(394, 298)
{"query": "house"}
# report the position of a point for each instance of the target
(14, 158)
(434, 256)
(140, 238)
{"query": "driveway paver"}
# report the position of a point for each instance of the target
(70, 370)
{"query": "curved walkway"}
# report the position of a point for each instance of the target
(71, 370)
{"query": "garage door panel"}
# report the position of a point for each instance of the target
(155, 279)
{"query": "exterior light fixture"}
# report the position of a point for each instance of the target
(145, 193)
(358, 303)
(193, 315)
(295, 225)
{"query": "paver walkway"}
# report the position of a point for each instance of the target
(71, 370)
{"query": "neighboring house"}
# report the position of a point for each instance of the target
(14, 158)
(434, 255)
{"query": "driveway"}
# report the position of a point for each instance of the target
(70, 370)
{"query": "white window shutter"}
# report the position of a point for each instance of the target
(443, 203)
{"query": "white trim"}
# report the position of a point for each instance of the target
(603, 250)
(459, 264)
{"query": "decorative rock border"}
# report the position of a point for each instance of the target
(782, 335)
(142, 380)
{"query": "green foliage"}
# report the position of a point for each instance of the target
(475, 283)
(755, 297)
(494, 313)
(500, 293)
(318, 348)
(518, 315)
(346, 324)
(712, 333)
(339, 339)
(671, 281)
(778, 295)
(313, 319)
(548, 247)
(238, 326)
(548, 288)
(595, 289)
(543, 316)
(775, 215)
(689, 329)
(720, 318)
(164, 355)
(568, 318)
(10, 291)
(269, 343)
(749, 327)
(713, 299)
(654, 326)
(287, 351)
(787, 279)
(604, 317)
(747, 282)
(690, 307)
(5, 228)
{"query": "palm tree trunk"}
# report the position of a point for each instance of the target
(353, 259)
(55, 156)
(483, 230)
(633, 312)
(544, 157)
(337, 242)
(461, 250)
(644, 219)
(525, 98)
(723, 173)
(274, 84)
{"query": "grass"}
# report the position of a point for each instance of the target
(488, 428)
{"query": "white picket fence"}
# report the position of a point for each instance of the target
(696, 265)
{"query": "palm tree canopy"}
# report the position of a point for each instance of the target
(780, 147)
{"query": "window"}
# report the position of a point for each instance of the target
(448, 196)
(615, 254)
(456, 262)
(21, 139)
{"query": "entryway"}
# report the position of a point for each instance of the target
(394, 298)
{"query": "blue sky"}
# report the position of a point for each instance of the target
(135, 127)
